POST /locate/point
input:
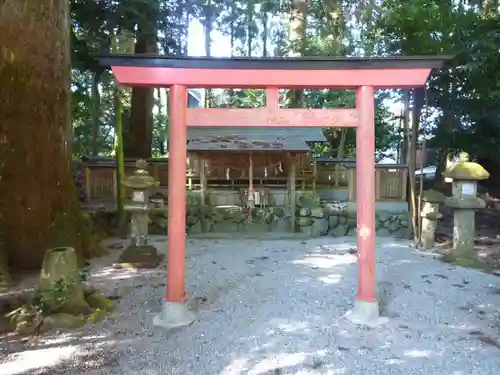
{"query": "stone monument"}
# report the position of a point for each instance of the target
(464, 201)
(430, 216)
(139, 254)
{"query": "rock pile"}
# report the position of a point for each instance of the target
(336, 220)
(313, 218)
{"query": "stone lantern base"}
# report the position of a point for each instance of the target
(145, 256)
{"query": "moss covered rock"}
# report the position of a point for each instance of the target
(26, 327)
(466, 170)
(60, 282)
(102, 306)
(98, 301)
(63, 321)
(145, 256)
(433, 196)
(465, 259)
(96, 316)
(24, 320)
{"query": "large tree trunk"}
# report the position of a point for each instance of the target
(297, 38)
(207, 27)
(334, 17)
(37, 194)
(265, 33)
(418, 102)
(96, 107)
(186, 17)
(250, 27)
(445, 133)
(333, 14)
(140, 130)
(489, 6)
(298, 26)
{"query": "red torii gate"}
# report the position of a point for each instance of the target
(362, 74)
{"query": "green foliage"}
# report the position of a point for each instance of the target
(464, 94)
(463, 97)
(100, 27)
(44, 302)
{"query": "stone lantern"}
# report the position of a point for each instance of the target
(464, 201)
(430, 216)
(139, 253)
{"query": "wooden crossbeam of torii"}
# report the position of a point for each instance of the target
(361, 74)
(270, 117)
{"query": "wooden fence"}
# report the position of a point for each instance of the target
(100, 177)
(390, 180)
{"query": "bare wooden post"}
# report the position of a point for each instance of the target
(404, 183)
(352, 184)
(412, 164)
(336, 175)
(420, 192)
(314, 177)
(189, 173)
(88, 182)
(340, 154)
(377, 184)
(115, 186)
(156, 176)
(291, 190)
(203, 180)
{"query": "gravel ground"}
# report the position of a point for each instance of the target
(277, 307)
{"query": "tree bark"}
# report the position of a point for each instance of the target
(406, 155)
(232, 42)
(96, 107)
(333, 14)
(297, 38)
(418, 101)
(208, 26)
(140, 130)
(445, 132)
(186, 14)
(265, 34)
(489, 6)
(38, 202)
(250, 27)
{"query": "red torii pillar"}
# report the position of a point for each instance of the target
(360, 74)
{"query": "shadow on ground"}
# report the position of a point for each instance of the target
(277, 307)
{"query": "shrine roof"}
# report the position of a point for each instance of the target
(275, 63)
(236, 143)
(307, 134)
(330, 159)
(236, 138)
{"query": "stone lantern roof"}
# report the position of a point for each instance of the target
(466, 170)
(433, 196)
(141, 178)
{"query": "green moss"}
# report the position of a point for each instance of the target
(98, 301)
(433, 196)
(466, 171)
(96, 316)
(61, 287)
(144, 256)
(76, 229)
(467, 260)
(64, 321)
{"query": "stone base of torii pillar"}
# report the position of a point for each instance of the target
(174, 315)
(366, 313)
